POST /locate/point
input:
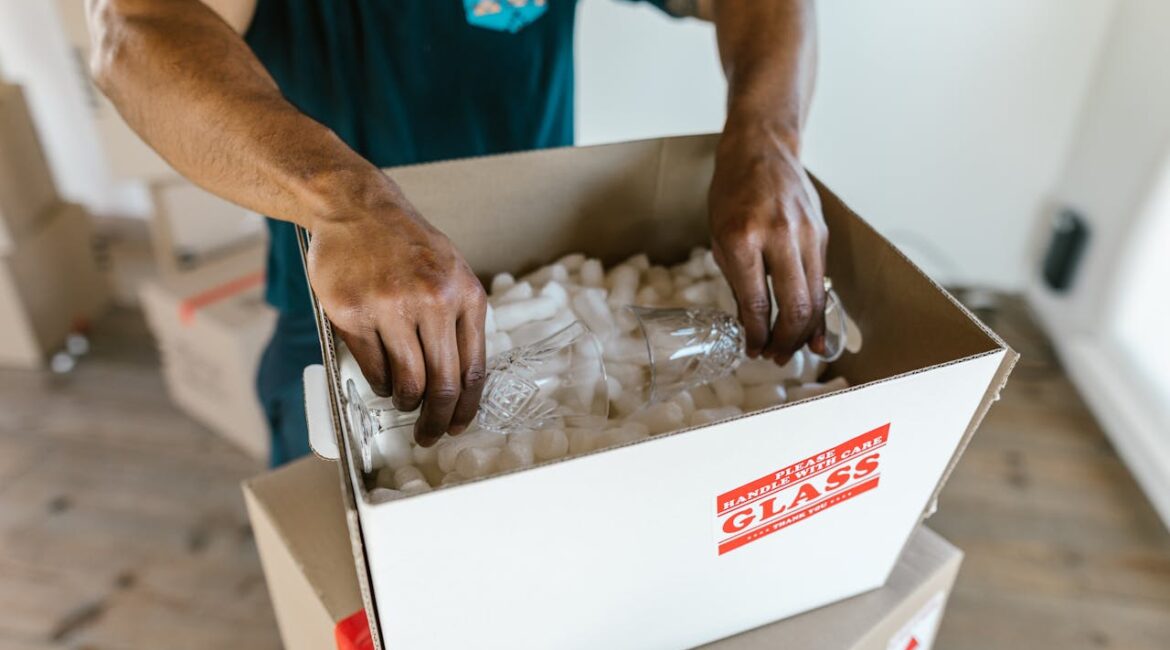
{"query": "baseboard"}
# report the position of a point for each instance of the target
(1140, 434)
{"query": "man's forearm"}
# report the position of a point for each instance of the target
(769, 54)
(190, 86)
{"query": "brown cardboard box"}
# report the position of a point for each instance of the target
(211, 326)
(192, 227)
(299, 525)
(26, 184)
(49, 286)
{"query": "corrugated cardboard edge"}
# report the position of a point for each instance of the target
(282, 568)
(349, 498)
(1000, 377)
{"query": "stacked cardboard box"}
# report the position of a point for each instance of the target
(192, 227)
(299, 525)
(211, 325)
(49, 281)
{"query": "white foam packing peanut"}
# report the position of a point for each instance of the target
(572, 262)
(805, 391)
(762, 396)
(590, 306)
(382, 495)
(448, 448)
(514, 455)
(546, 274)
(592, 274)
(623, 285)
(497, 343)
(753, 372)
(728, 391)
(700, 293)
(658, 278)
(661, 417)
(501, 283)
(529, 333)
(474, 462)
(518, 291)
(510, 315)
(575, 287)
(394, 449)
(550, 444)
(489, 320)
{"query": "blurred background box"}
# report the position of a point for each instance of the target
(300, 530)
(26, 183)
(212, 324)
(50, 285)
(193, 227)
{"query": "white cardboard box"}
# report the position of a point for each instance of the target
(212, 326)
(49, 286)
(27, 193)
(689, 537)
(298, 523)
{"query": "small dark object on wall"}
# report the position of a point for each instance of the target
(1070, 235)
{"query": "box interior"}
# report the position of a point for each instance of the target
(612, 201)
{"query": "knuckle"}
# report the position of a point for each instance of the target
(408, 389)
(797, 313)
(444, 391)
(757, 304)
(475, 376)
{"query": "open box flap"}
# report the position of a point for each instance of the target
(613, 201)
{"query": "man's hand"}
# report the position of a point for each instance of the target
(401, 297)
(766, 222)
(765, 214)
(408, 307)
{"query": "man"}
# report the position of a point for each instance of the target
(290, 107)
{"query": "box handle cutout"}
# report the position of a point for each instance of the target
(321, 436)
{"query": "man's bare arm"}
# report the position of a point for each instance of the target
(765, 215)
(187, 82)
(398, 292)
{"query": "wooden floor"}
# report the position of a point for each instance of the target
(122, 525)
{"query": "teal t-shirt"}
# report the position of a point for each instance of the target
(409, 81)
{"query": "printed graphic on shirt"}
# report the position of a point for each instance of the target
(801, 490)
(504, 15)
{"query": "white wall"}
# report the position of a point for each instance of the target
(35, 54)
(944, 122)
(1117, 159)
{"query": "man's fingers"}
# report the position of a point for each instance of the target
(793, 305)
(366, 348)
(814, 271)
(443, 384)
(408, 372)
(470, 339)
(744, 269)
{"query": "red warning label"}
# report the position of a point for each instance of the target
(794, 493)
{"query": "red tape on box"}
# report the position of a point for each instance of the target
(353, 632)
(188, 307)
